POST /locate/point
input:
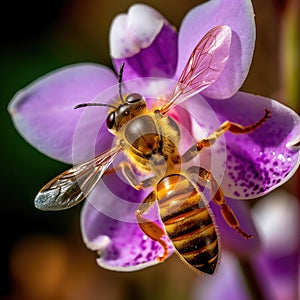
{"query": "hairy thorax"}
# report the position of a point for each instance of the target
(151, 143)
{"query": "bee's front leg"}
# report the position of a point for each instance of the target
(128, 173)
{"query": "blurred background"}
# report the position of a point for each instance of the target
(42, 255)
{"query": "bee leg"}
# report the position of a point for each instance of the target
(218, 198)
(226, 126)
(150, 228)
(130, 177)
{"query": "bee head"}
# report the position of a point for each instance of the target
(133, 105)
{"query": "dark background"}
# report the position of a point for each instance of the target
(41, 254)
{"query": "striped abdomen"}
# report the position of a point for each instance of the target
(188, 222)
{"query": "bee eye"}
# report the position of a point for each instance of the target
(110, 120)
(133, 98)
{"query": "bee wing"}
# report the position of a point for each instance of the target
(204, 66)
(73, 185)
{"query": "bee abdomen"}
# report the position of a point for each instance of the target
(188, 223)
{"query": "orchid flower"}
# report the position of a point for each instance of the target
(246, 166)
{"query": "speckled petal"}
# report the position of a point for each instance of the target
(262, 160)
(145, 41)
(239, 16)
(109, 227)
(44, 112)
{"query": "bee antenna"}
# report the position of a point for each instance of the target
(120, 81)
(120, 75)
(93, 104)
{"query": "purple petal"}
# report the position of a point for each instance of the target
(109, 226)
(204, 121)
(262, 160)
(145, 41)
(44, 111)
(277, 219)
(278, 276)
(236, 14)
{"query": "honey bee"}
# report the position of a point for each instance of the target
(150, 140)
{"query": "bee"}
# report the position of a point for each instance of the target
(150, 140)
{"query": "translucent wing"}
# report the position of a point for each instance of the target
(204, 66)
(73, 185)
